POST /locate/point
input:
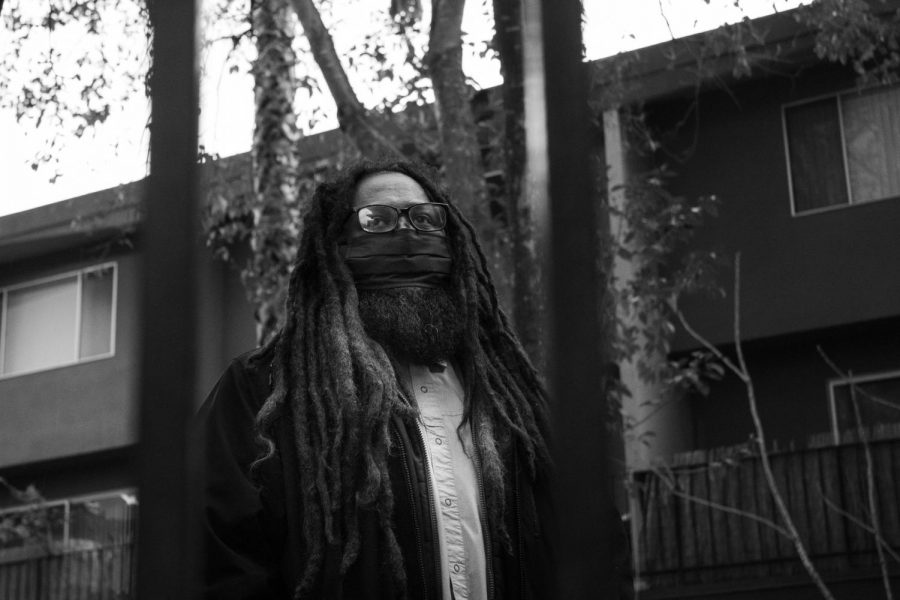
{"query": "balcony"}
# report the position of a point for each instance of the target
(82, 548)
(700, 524)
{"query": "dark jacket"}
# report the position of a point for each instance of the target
(254, 543)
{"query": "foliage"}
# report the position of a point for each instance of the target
(850, 33)
(66, 70)
(658, 239)
(34, 524)
(389, 64)
(659, 225)
(232, 214)
(423, 111)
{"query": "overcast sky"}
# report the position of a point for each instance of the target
(116, 153)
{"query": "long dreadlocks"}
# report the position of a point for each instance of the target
(337, 388)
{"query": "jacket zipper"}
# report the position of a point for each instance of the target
(416, 525)
(431, 510)
(519, 534)
(486, 532)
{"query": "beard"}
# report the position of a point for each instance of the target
(421, 325)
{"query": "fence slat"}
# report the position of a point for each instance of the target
(886, 473)
(855, 500)
(720, 534)
(832, 489)
(702, 520)
(785, 549)
(688, 537)
(815, 505)
(650, 532)
(796, 487)
(768, 536)
(734, 524)
(752, 533)
(670, 523)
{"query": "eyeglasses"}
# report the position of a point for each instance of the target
(381, 218)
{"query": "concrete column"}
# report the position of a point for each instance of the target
(656, 424)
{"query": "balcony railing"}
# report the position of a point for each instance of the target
(704, 520)
(104, 573)
(69, 549)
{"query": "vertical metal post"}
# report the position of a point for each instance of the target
(167, 546)
(559, 136)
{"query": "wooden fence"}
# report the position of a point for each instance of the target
(701, 521)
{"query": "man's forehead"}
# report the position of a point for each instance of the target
(388, 187)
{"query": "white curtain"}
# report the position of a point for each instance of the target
(40, 326)
(872, 135)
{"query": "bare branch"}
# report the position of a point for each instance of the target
(352, 115)
(741, 370)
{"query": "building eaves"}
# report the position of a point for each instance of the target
(689, 64)
(95, 217)
(71, 223)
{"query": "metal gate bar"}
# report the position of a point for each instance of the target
(575, 332)
(166, 542)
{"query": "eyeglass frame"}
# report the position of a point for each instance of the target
(401, 212)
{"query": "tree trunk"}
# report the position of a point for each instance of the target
(373, 137)
(527, 299)
(460, 152)
(275, 161)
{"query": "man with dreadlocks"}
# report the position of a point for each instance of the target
(391, 441)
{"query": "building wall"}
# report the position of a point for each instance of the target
(92, 406)
(80, 408)
(225, 320)
(798, 272)
(826, 279)
(791, 383)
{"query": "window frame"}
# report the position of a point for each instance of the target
(836, 382)
(838, 96)
(79, 275)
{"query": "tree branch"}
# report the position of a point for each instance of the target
(354, 119)
(742, 372)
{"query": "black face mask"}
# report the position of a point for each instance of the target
(401, 258)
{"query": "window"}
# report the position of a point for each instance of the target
(58, 321)
(84, 523)
(844, 149)
(877, 395)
